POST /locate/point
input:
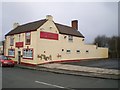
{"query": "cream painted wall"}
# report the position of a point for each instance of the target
(49, 47)
(22, 39)
(54, 47)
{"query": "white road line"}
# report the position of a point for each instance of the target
(49, 84)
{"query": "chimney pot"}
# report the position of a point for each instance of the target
(49, 17)
(75, 24)
(15, 25)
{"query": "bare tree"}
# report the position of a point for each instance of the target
(113, 43)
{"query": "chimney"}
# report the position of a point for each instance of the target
(75, 24)
(49, 17)
(15, 25)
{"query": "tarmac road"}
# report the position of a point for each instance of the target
(25, 78)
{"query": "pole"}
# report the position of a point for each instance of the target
(116, 47)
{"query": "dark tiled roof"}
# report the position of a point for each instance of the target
(63, 29)
(32, 26)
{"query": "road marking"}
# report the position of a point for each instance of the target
(53, 85)
(49, 84)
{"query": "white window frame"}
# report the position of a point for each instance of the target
(11, 40)
(28, 37)
(28, 53)
(70, 38)
(11, 52)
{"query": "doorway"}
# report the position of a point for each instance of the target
(19, 57)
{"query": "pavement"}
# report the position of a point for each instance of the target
(77, 70)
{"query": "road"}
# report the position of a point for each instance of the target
(25, 78)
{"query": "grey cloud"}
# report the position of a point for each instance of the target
(95, 18)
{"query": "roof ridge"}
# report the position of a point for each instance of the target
(27, 27)
(32, 22)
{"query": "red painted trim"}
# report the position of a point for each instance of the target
(26, 64)
(29, 64)
(77, 60)
(25, 38)
(48, 35)
(14, 53)
(32, 53)
(28, 58)
(19, 44)
(60, 61)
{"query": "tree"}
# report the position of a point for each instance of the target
(113, 43)
(101, 41)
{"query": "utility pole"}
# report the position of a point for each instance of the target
(116, 47)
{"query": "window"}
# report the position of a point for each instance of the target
(28, 53)
(27, 38)
(70, 38)
(82, 39)
(11, 52)
(11, 40)
(87, 51)
(68, 51)
(77, 51)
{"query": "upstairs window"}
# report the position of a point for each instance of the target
(11, 40)
(27, 38)
(70, 38)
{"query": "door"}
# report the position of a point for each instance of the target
(19, 57)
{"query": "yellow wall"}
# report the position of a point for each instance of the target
(54, 47)
(22, 39)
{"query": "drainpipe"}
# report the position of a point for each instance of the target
(3, 47)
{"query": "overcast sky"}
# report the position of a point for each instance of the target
(95, 18)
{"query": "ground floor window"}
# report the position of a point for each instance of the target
(11, 52)
(78, 51)
(28, 53)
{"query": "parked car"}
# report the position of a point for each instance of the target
(6, 61)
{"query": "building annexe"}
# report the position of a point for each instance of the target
(45, 41)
